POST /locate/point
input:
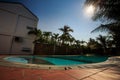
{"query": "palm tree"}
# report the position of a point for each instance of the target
(82, 46)
(71, 40)
(83, 42)
(103, 42)
(37, 33)
(78, 43)
(92, 44)
(54, 41)
(55, 38)
(108, 11)
(65, 36)
(105, 9)
(113, 29)
(47, 36)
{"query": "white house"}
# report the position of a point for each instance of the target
(15, 22)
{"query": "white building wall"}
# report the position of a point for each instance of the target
(7, 22)
(23, 23)
(17, 9)
(5, 44)
(14, 20)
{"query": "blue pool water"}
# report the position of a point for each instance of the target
(58, 60)
(16, 59)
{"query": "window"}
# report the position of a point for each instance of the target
(18, 39)
(30, 28)
(25, 49)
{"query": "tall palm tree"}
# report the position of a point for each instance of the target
(113, 29)
(83, 42)
(55, 38)
(54, 41)
(103, 42)
(105, 9)
(93, 44)
(65, 36)
(82, 46)
(47, 36)
(108, 11)
(37, 33)
(78, 43)
(71, 40)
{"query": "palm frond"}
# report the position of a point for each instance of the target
(100, 28)
(71, 30)
(112, 27)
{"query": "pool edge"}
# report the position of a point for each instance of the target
(111, 61)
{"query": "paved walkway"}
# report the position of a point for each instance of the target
(109, 70)
(12, 73)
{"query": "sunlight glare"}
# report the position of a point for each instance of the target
(89, 10)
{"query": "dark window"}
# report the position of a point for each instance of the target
(30, 28)
(18, 39)
(26, 49)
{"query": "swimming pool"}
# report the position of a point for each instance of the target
(57, 60)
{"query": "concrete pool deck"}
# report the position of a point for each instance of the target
(108, 70)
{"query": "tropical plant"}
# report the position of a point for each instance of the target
(113, 29)
(55, 38)
(54, 41)
(78, 43)
(65, 36)
(71, 40)
(108, 11)
(93, 44)
(83, 42)
(105, 9)
(103, 42)
(47, 36)
(37, 33)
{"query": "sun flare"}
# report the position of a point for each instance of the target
(89, 10)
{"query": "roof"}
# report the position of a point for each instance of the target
(22, 5)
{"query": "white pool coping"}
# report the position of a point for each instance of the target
(111, 61)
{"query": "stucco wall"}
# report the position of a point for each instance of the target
(17, 9)
(14, 20)
(23, 23)
(7, 22)
(5, 43)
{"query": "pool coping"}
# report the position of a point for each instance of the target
(111, 61)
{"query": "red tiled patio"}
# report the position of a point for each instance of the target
(12, 73)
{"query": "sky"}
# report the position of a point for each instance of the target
(54, 14)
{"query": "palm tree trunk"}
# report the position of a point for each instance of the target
(54, 49)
